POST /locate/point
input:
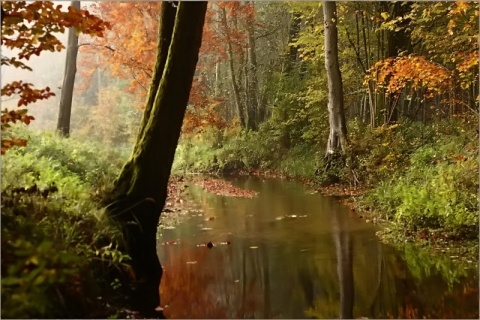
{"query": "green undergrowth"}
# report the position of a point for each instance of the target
(430, 188)
(60, 257)
(262, 151)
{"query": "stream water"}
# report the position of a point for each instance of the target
(288, 253)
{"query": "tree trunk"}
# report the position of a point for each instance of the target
(236, 90)
(253, 102)
(65, 110)
(141, 189)
(165, 31)
(337, 139)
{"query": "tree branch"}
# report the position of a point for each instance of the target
(96, 45)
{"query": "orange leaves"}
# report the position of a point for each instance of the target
(8, 143)
(394, 74)
(14, 116)
(203, 109)
(30, 27)
(26, 92)
(467, 66)
(9, 116)
(129, 48)
(224, 188)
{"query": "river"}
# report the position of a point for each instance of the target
(288, 253)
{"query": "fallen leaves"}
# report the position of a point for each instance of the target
(224, 188)
(340, 190)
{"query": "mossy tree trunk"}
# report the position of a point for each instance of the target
(141, 188)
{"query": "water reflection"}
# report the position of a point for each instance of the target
(325, 265)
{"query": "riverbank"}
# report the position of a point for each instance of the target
(436, 241)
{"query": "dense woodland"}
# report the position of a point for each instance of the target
(373, 100)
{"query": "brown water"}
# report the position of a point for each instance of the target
(323, 263)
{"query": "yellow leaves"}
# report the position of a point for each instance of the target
(451, 25)
(461, 7)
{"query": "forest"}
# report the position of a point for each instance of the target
(157, 154)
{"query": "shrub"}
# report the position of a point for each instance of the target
(437, 188)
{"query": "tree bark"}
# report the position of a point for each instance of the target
(253, 102)
(65, 109)
(337, 139)
(236, 90)
(141, 189)
(165, 31)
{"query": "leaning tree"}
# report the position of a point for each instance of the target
(140, 190)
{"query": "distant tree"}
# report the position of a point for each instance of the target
(65, 111)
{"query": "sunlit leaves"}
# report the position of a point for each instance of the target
(394, 74)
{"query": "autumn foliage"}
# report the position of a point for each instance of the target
(446, 61)
(394, 74)
(29, 29)
(128, 51)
